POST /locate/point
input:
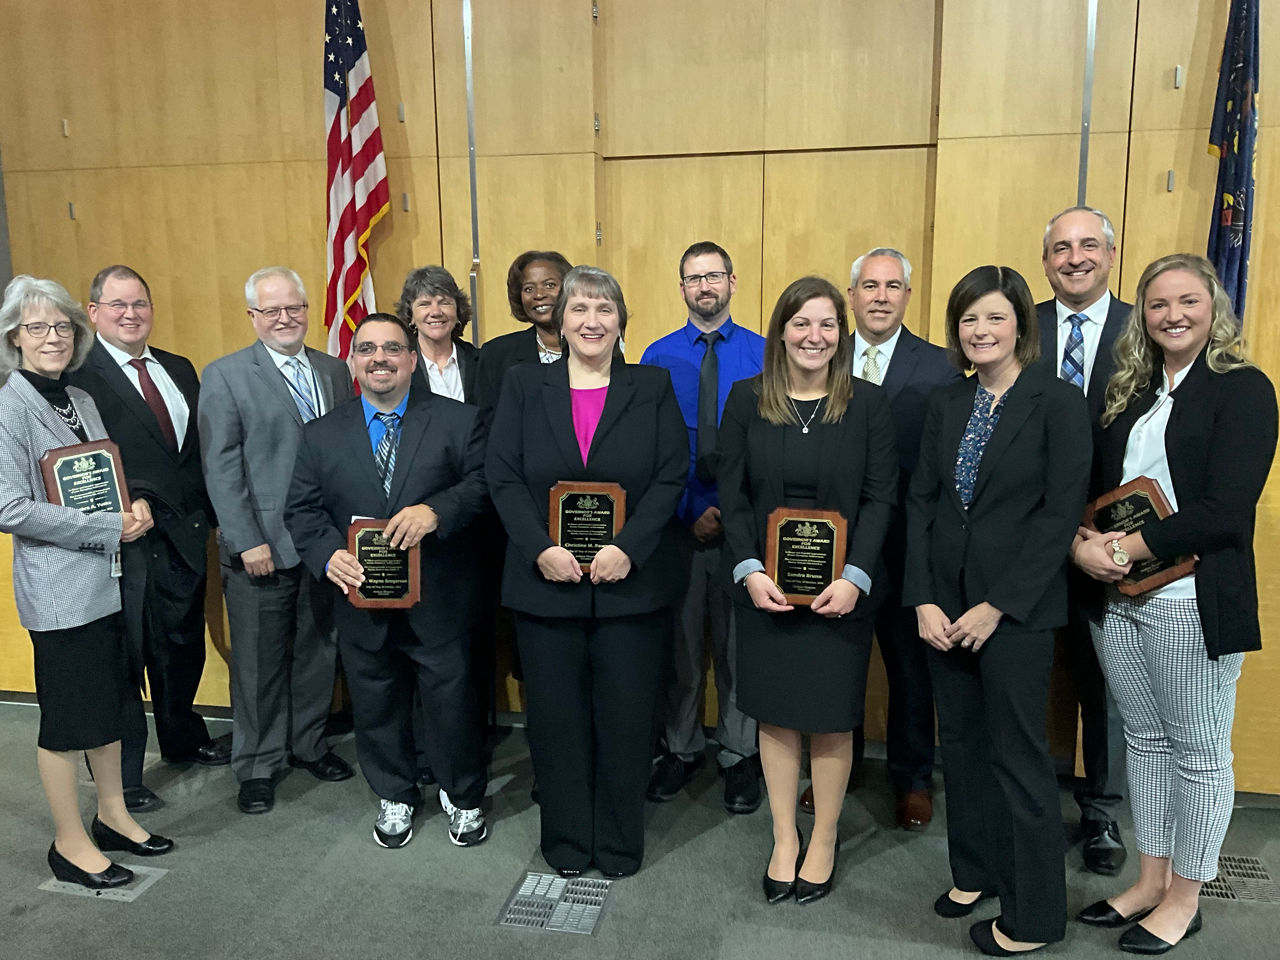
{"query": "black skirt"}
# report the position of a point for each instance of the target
(81, 684)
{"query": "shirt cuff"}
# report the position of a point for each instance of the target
(858, 577)
(746, 568)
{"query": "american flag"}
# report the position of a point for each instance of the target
(357, 177)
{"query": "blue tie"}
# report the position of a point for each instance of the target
(302, 395)
(1073, 355)
(385, 455)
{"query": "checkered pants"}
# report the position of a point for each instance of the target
(1178, 706)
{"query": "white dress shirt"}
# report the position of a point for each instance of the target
(884, 352)
(445, 380)
(308, 371)
(1091, 330)
(173, 399)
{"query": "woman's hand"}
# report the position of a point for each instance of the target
(559, 565)
(838, 598)
(136, 522)
(765, 594)
(974, 627)
(1091, 552)
(609, 565)
(932, 624)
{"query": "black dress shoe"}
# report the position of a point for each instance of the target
(742, 787)
(330, 767)
(1101, 846)
(214, 753)
(983, 937)
(1138, 939)
(669, 776)
(1103, 914)
(618, 874)
(66, 871)
(257, 795)
(568, 872)
(775, 891)
(944, 906)
(807, 891)
(139, 800)
(108, 839)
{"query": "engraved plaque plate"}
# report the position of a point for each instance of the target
(805, 551)
(392, 578)
(86, 476)
(1126, 509)
(586, 515)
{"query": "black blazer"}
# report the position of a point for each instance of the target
(1010, 547)
(438, 462)
(498, 356)
(1104, 364)
(468, 368)
(859, 476)
(641, 443)
(1220, 442)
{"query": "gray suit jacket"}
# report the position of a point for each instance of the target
(249, 433)
(61, 557)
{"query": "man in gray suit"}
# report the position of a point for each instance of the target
(253, 404)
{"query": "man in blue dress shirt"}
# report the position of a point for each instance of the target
(705, 357)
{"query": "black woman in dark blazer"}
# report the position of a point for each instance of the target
(991, 513)
(805, 434)
(1186, 408)
(434, 307)
(592, 643)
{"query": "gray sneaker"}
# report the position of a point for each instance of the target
(394, 826)
(466, 827)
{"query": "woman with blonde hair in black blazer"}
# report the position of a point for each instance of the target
(1186, 408)
(804, 434)
(993, 505)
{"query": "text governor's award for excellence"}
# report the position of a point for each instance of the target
(392, 578)
(586, 515)
(1127, 509)
(86, 476)
(805, 551)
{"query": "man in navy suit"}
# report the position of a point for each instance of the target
(1078, 328)
(909, 369)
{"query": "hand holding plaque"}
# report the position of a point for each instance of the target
(1127, 509)
(586, 515)
(392, 578)
(805, 551)
(86, 476)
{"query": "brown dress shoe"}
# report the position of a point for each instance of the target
(915, 809)
(806, 800)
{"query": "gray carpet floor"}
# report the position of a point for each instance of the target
(307, 879)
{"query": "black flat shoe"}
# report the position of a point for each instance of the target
(108, 839)
(1138, 939)
(775, 891)
(944, 906)
(984, 938)
(66, 871)
(569, 873)
(807, 891)
(1103, 914)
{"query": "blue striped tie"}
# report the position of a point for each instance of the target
(302, 395)
(385, 455)
(1073, 356)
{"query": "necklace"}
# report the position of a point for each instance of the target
(804, 424)
(70, 416)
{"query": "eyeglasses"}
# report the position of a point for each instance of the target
(367, 348)
(40, 329)
(118, 307)
(695, 279)
(295, 311)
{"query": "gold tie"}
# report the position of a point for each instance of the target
(871, 366)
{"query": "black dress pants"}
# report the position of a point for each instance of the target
(1004, 820)
(592, 688)
(1101, 792)
(909, 735)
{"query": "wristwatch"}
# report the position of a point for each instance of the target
(1119, 554)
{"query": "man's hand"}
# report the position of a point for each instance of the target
(559, 565)
(344, 570)
(974, 627)
(407, 528)
(837, 598)
(257, 561)
(609, 565)
(708, 526)
(136, 522)
(765, 594)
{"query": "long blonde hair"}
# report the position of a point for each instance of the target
(1136, 353)
(775, 407)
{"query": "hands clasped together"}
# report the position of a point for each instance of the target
(969, 632)
(609, 565)
(836, 599)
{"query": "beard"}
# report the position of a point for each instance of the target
(707, 307)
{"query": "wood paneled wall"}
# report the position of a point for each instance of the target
(798, 133)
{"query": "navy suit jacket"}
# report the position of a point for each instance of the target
(496, 357)
(1104, 364)
(468, 369)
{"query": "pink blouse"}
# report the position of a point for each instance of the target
(588, 405)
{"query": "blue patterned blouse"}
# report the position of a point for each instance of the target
(982, 422)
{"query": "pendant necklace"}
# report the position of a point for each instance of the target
(804, 424)
(70, 416)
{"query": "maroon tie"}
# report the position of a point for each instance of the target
(151, 394)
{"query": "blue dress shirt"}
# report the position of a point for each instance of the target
(375, 426)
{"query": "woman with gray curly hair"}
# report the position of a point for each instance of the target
(436, 309)
(65, 581)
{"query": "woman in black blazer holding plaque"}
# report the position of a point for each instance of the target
(1186, 408)
(805, 434)
(993, 506)
(593, 642)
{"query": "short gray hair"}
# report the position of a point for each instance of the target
(856, 270)
(255, 278)
(1108, 230)
(21, 295)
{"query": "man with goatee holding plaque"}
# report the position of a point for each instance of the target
(411, 461)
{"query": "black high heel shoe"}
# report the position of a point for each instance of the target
(66, 871)
(108, 839)
(775, 891)
(807, 891)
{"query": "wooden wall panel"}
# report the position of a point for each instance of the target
(406, 239)
(818, 61)
(1173, 33)
(399, 35)
(682, 77)
(823, 210)
(654, 209)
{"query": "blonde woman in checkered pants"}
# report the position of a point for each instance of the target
(1186, 408)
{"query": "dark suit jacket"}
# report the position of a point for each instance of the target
(1220, 442)
(468, 367)
(438, 462)
(859, 476)
(1104, 364)
(640, 443)
(497, 356)
(1010, 547)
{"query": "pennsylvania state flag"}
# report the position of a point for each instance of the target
(1231, 139)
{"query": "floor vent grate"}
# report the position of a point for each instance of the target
(545, 901)
(1242, 878)
(143, 879)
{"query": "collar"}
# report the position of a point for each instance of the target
(884, 350)
(370, 410)
(1096, 311)
(453, 357)
(122, 358)
(692, 331)
(280, 359)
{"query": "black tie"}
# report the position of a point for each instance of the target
(708, 408)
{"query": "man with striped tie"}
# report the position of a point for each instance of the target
(1078, 328)
(253, 404)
